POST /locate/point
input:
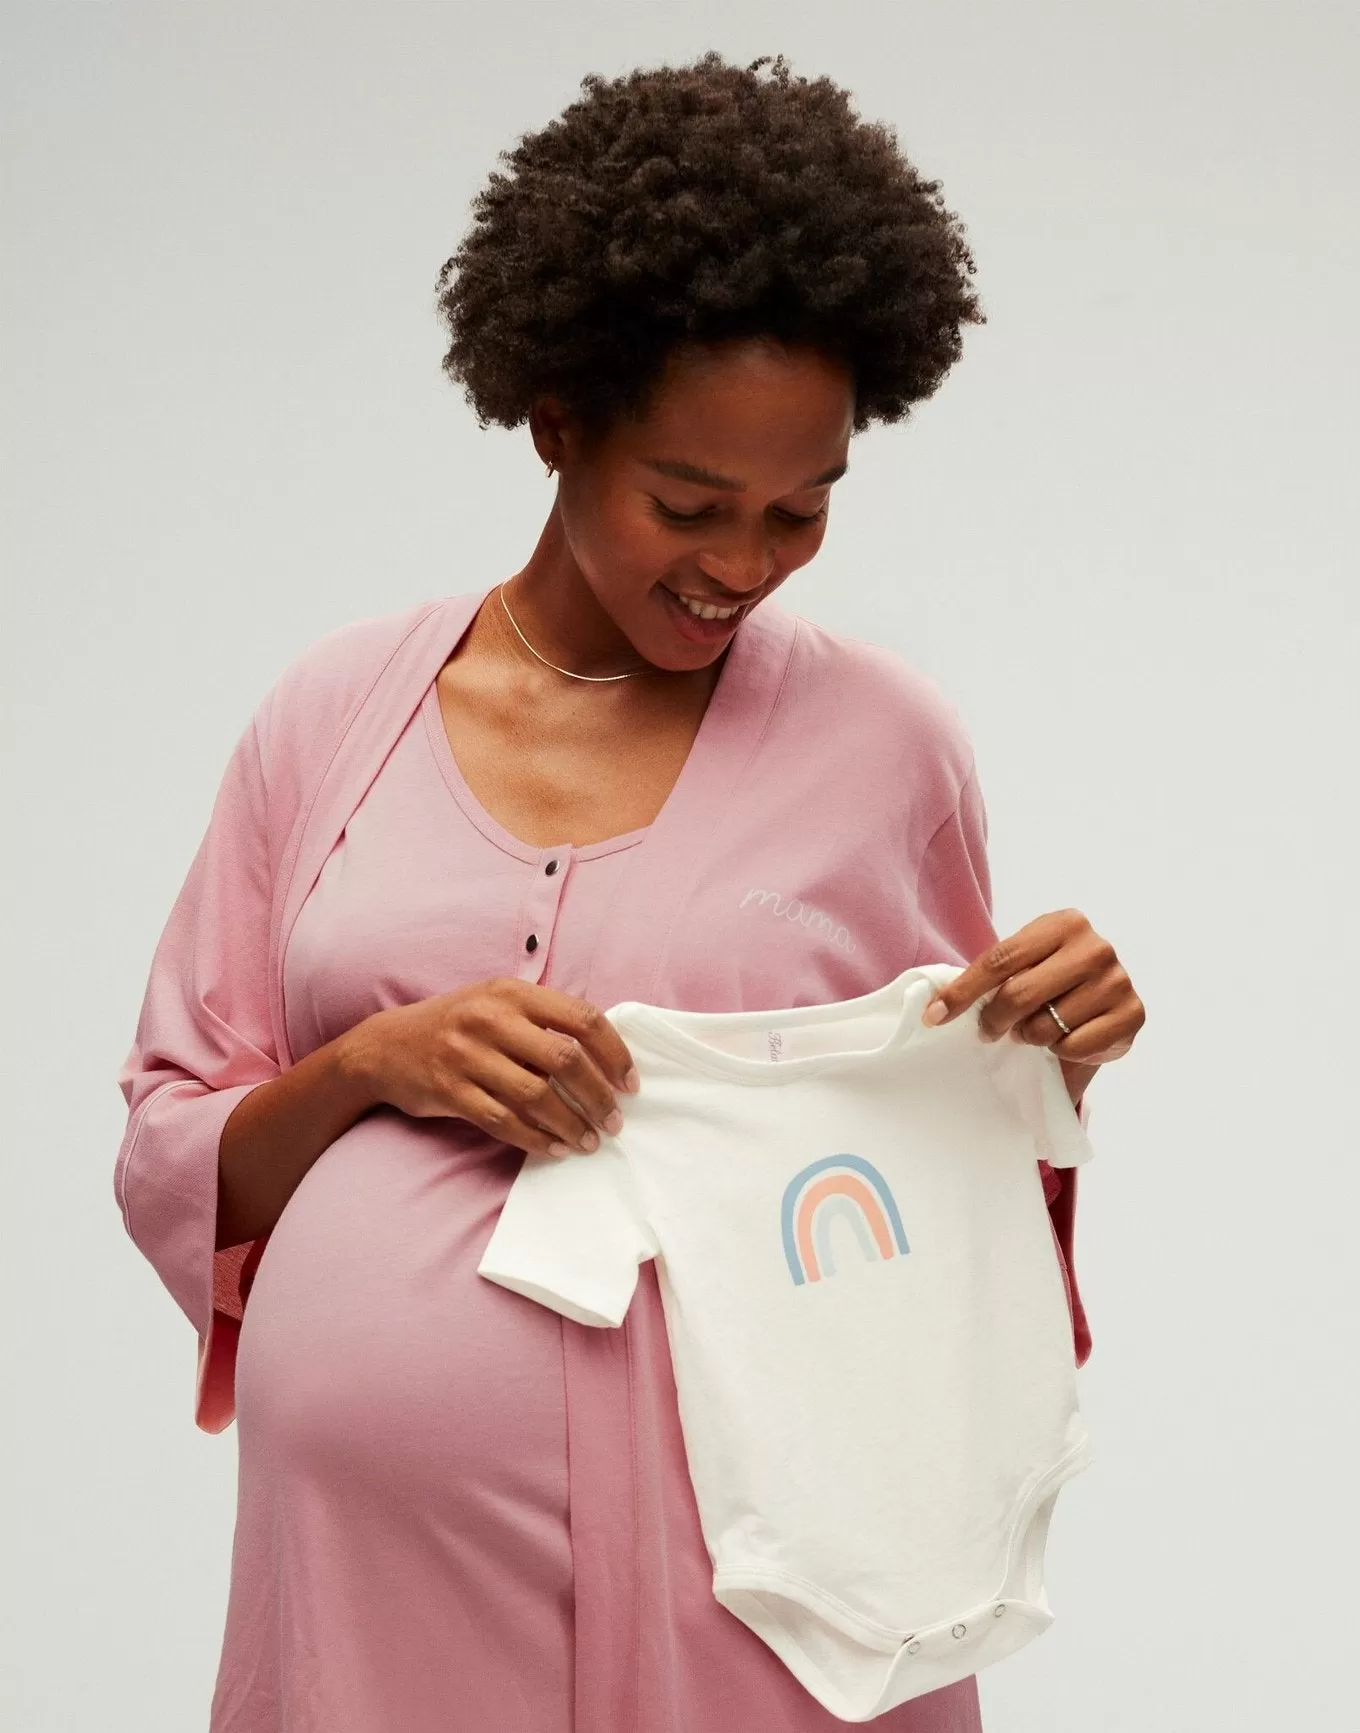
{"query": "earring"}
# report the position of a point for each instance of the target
(548, 468)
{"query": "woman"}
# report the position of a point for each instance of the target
(451, 836)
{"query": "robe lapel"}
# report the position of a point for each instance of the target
(601, 1366)
(605, 1380)
(663, 864)
(371, 730)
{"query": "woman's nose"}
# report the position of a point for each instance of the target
(740, 568)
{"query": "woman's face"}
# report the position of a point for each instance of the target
(715, 495)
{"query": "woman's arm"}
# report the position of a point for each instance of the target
(204, 1043)
(275, 1133)
(954, 910)
(525, 1064)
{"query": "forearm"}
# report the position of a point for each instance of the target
(275, 1133)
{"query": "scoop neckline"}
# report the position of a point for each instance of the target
(729, 711)
(679, 1033)
(490, 826)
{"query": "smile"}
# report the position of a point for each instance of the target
(706, 610)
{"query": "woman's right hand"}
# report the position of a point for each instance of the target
(497, 1053)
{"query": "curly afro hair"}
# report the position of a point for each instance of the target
(700, 203)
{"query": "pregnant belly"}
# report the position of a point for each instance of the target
(375, 1363)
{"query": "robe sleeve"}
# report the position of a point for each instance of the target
(203, 1041)
(954, 904)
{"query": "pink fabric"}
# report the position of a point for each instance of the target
(455, 1508)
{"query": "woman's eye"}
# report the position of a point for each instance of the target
(678, 517)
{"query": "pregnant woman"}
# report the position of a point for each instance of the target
(451, 836)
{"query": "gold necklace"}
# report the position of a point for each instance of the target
(596, 678)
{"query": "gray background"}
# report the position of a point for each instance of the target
(1116, 537)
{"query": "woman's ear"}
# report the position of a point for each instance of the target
(550, 428)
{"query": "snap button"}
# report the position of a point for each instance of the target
(531, 943)
(997, 1612)
(912, 1648)
(958, 1631)
(551, 868)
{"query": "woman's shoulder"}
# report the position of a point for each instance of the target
(876, 694)
(347, 655)
(322, 685)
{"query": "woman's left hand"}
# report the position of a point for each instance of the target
(1059, 960)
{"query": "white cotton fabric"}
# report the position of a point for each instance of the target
(867, 1319)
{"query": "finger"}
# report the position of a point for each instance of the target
(498, 1120)
(1076, 980)
(1041, 1028)
(564, 1060)
(986, 973)
(1076, 1007)
(532, 1098)
(552, 1010)
(1095, 1043)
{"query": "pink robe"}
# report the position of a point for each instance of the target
(456, 1509)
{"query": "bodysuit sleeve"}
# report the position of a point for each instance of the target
(571, 1236)
(954, 916)
(203, 1042)
(1030, 1080)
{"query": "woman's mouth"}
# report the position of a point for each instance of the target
(701, 621)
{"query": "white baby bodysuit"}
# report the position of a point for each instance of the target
(866, 1313)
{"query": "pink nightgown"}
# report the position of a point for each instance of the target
(431, 1534)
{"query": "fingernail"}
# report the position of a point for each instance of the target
(935, 1012)
(614, 1122)
(631, 1080)
(589, 1141)
(559, 1149)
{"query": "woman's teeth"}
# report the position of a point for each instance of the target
(706, 610)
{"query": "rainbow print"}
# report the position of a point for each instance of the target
(838, 1187)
